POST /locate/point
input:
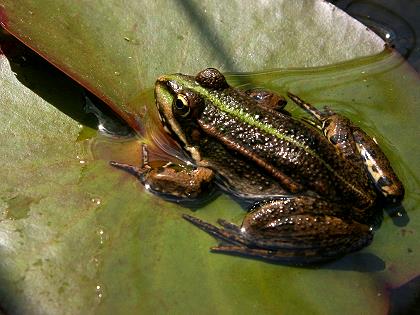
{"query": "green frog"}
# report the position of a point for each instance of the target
(313, 183)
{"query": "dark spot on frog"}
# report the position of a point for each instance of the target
(334, 139)
(384, 181)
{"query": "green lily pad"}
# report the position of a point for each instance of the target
(80, 237)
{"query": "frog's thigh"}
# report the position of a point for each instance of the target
(378, 166)
(304, 226)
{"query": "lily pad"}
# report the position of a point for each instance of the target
(80, 237)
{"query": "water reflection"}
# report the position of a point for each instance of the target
(396, 21)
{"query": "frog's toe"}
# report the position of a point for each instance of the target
(244, 251)
(131, 169)
(229, 226)
(229, 234)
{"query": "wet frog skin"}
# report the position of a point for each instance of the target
(314, 183)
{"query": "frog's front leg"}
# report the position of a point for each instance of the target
(292, 229)
(357, 147)
(171, 180)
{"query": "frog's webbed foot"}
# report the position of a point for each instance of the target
(229, 235)
(233, 241)
(140, 172)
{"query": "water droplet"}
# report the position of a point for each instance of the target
(81, 161)
(96, 201)
(99, 290)
(103, 237)
(101, 128)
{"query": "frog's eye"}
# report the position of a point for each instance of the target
(180, 105)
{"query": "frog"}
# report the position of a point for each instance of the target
(311, 184)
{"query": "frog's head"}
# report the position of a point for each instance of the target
(180, 99)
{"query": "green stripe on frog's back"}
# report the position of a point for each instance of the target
(238, 112)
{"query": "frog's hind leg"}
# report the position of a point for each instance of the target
(379, 167)
(234, 243)
(337, 128)
(317, 114)
(355, 146)
(298, 230)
